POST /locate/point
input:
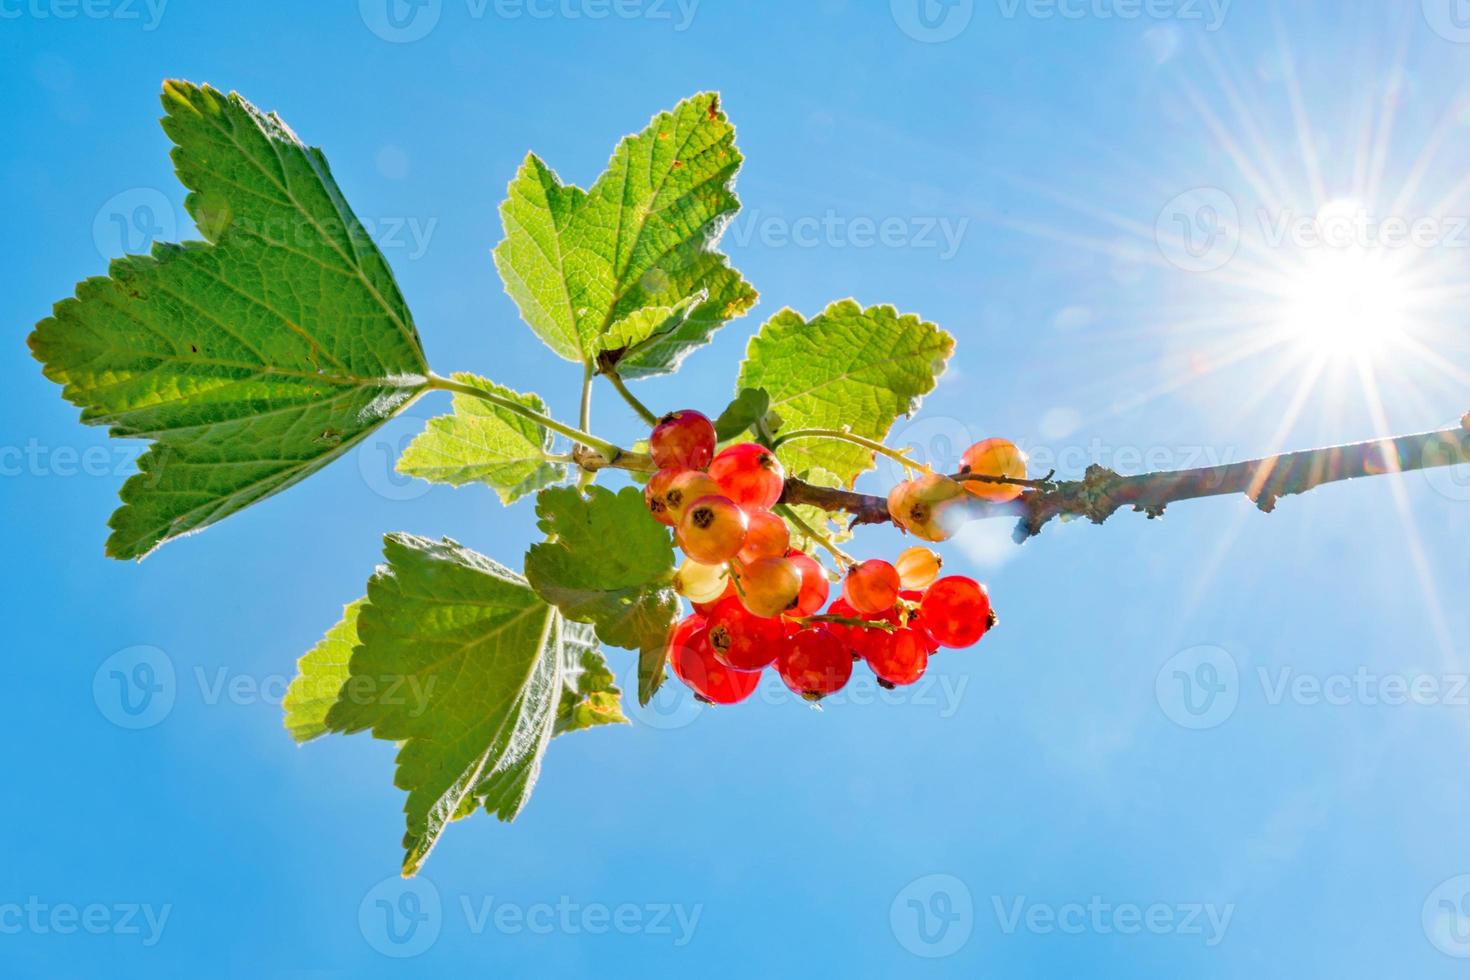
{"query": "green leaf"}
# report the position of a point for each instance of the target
(748, 408)
(485, 443)
(320, 675)
(252, 360)
(460, 662)
(848, 366)
(591, 697)
(630, 254)
(609, 565)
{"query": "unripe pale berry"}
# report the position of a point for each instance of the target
(701, 583)
(693, 661)
(926, 507)
(655, 496)
(742, 640)
(814, 584)
(994, 457)
(871, 586)
(712, 530)
(684, 440)
(749, 474)
(956, 611)
(767, 537)
(769, 586)
(686, 487)
(918, 567)
(814, 664)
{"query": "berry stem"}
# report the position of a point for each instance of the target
(844, 435)
(876, 624)
(607, 449)
(844, 560)
(643, 411)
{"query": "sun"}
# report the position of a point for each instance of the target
(1347, 298)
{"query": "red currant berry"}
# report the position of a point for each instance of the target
(742, 640)
(770, 586)
(694, 663)
(655, 496)
(871, 586)
(926, 507)
(684, 440)
(901, 657)
(918, 567)
(685, 488)
(994, 457)
(814, 585)
(814, 664)
(712, 530)
(956, 611)
(701, 583)
(768, 537)
(750, 475)
(857, 639)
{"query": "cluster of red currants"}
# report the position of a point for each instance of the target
(758, 601)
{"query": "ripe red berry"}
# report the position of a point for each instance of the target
(871, 586)
(814, 585)
(901, 657)
(994, 457)
(814, 664)
(857, 639)
(741, 639)
(684, 440)
(686, 487)
(694, 663)
(712, 530)
(768, 537)
(749, 474)
(769, 586)
(956, 611)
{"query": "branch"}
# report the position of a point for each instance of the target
(1101, 492)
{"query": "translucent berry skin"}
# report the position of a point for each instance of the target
(956, 611)
(693, 661)
(655, 496)
(858, 640)
(740, 639)
(686, 487)
(814, 585)
(871, 586)
(926, 507)
(918, 567)
(900, 658)
(994, 457)
(814, 664)
(712, 530)
(750, 475)
(768, 537)
(701, 583)
(706, 608)
(769, 586)
(683, 439)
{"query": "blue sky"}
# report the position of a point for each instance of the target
(1221, 744)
